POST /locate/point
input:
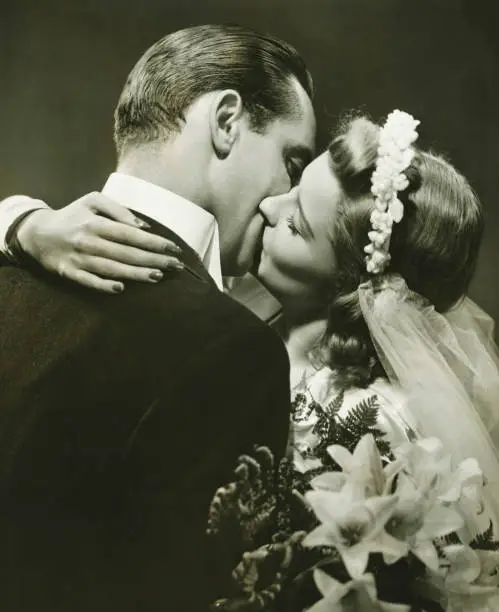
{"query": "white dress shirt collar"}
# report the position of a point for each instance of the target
(197, 227)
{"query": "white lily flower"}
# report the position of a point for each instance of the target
(364, 463)
(420, 516)
(353, 526)
(471, 579)
(361, 593)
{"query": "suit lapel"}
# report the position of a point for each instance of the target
(189, 257)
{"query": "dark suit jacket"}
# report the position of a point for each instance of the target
(119, 417)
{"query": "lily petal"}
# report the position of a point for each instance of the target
(342, 456)
(382, 509)
(442, 520)
(329, 481)
(329, 507)
(464, 565)
(369, 457)
(391, 548)
(391, 607)
(320, 536)
(355, 559)
(326, 584)
(424, 549)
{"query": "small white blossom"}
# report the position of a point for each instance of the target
(396, 210)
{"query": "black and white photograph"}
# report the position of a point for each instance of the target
(248, 306)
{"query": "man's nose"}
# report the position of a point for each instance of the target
(271, 208)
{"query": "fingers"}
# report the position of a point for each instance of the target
(92, 246)
(92, 281)
(108, 269)
(132, 236)
(94, 241)
(100, 274)
(101, 204)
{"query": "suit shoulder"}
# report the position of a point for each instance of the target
(193, 297)
(200, 313)
(247, 321)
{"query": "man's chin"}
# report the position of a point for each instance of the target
(236, 269)
(255, 265)
(247, 259)
(244, 265)
(257, 255)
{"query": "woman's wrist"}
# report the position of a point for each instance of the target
(20, 236)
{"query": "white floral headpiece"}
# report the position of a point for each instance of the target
(395, 154)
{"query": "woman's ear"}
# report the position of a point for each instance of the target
(225, 121)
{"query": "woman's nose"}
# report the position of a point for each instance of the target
(271, 208)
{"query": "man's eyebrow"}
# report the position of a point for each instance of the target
(303, 218)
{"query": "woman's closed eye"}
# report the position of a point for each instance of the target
(292, 225)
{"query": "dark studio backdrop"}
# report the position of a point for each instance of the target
(62, 66)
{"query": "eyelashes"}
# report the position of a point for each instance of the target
(292, 226)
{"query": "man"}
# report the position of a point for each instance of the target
(119, 419)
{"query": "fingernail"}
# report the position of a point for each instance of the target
(156, 275)
(142, 224)
(176, 265)
(173, 247)
(118, 287)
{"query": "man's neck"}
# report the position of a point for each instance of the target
(193, 224)
(166, 168)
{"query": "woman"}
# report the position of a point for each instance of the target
(395, 329)
(355, 335)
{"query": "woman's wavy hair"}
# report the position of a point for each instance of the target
(434, 248)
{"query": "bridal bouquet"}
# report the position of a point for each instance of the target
(372, 529)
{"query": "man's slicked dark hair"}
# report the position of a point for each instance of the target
(189, 63)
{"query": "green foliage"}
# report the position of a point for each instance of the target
(348, 430)
(263, 511)
(485, 540)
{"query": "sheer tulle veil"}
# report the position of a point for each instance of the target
(447, 367)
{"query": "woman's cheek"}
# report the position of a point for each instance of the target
(286, 248)
(294, 262)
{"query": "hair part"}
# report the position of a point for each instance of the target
(189, 63)
(434, 248)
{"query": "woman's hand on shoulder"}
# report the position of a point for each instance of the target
(98, 243)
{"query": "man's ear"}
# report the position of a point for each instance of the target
(225, 121)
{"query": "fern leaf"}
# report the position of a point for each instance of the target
(362, 416)
(334, 406)
(485, 540)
